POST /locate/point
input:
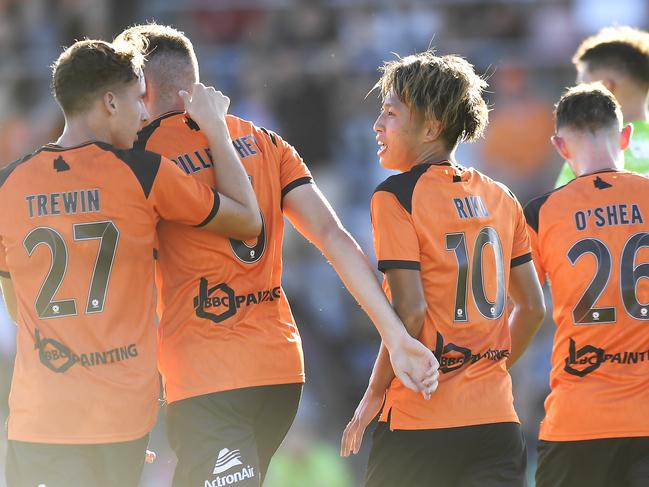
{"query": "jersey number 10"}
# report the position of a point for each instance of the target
(457, 243)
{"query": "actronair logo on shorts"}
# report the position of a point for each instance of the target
(225, 461)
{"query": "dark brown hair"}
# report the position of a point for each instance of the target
(89, 67)
(622, 48)
(444, 88)
(588, 107)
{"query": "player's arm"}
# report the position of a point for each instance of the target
(311, 214)
(238, 213)
(9, 296)
(529, 309)
(410, 305)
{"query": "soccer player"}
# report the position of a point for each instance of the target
(619, 58)
(453, 245)
(590, 239)
(230, 351)
(77, 229)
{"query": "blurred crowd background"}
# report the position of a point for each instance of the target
(303, 68)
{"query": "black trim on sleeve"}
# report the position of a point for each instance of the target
(413, 265)
(532, 209)
(144, 164)
(5, 274)
(521, 259)
(215, 209)
(273, 139)
(145, 134)
(294, 184)
(6, 171)
(403, 185)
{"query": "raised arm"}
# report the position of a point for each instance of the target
(9, 296)
(238, 215)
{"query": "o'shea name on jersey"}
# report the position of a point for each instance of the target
(610, 215)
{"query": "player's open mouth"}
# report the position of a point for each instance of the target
(382, 148)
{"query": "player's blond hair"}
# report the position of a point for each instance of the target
(171, 60)
(89, 68)
(443, 88)
(622, 47)
(589, 107)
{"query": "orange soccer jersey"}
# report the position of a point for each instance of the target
(226, 322)
(77, 228)
(591, 239)
(463, 232)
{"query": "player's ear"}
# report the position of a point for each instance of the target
(149, 94)
(625, 136)
(560, 145)
(110, 102)
(610, 84)
(433, 130)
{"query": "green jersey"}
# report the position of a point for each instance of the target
(636, 157)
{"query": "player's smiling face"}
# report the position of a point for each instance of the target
(130, 113)
(398, 133)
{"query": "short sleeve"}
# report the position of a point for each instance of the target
(395, 239)
(4, 269)
(293, 172)
(521, 247)
(181, 198)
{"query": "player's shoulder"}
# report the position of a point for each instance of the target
(402, 185)
(492, 184)
(171, 120)
(9, 169)
(142, 163)
(532, 209)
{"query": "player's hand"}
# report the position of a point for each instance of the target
(205, 105)
(415, 366)
(366, 411)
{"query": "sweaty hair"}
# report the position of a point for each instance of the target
(171, 61)
(588, 107)
(89, 68)
(443, 88)
(621, 48)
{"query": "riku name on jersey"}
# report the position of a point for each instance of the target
(611, 215)
(66, 203)
(202, 159)
(470, 207)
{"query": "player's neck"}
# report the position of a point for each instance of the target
(592, 161)
(81, 129)
(162, 107)
(435, 154)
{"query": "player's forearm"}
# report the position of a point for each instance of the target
(9, 297)
(231, 178)
(524, 322)
(382, 373)
(412, 315)
(352, 266)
